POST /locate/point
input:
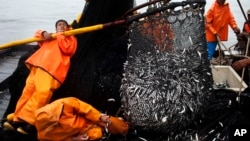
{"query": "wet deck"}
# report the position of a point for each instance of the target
(8, 63)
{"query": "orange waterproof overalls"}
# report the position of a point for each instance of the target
(48, 69)
(65, 118)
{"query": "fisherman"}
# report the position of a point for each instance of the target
(69, 119)
(243, 37)
(48, 69)
(218, 17)
(246, 27)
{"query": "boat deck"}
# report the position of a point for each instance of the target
(8, 63)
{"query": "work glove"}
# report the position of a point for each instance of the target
(240, 36)
(236, 30)
(216, 35)
(80, 138)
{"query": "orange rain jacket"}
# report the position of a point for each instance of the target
(217, 20)
(65, 118)
(68, 117)
(53, 56)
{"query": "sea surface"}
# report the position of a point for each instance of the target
(19, 19)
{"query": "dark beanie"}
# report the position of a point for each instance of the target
(61, 20)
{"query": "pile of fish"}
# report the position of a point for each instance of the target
(167, 79)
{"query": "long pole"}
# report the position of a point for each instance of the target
(66, 33)
(241, 8)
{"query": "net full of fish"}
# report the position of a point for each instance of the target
(167, 80)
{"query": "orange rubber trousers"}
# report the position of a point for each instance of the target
(37, 92)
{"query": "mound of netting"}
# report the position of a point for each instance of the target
(167, 80)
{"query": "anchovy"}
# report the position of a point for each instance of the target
(167, 76)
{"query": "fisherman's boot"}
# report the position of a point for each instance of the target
(26, 129)
(11, 125)
(8, 126)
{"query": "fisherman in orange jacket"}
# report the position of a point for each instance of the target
(246, 27)
(218, 17)
(48, 69)
(68, 119)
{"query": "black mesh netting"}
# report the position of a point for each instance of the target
(167, 79)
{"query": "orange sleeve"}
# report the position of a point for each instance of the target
(84, 109)
(232, 21)
(90, 112)
(209, 20)
(67, 44)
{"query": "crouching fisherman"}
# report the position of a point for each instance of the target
(68, 119)
(48, 67)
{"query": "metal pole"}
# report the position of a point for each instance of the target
(241, 8)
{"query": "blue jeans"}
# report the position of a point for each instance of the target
(211, 46)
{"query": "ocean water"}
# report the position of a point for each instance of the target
(19, 19)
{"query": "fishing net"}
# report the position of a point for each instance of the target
(224, 114)
(167, 80)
